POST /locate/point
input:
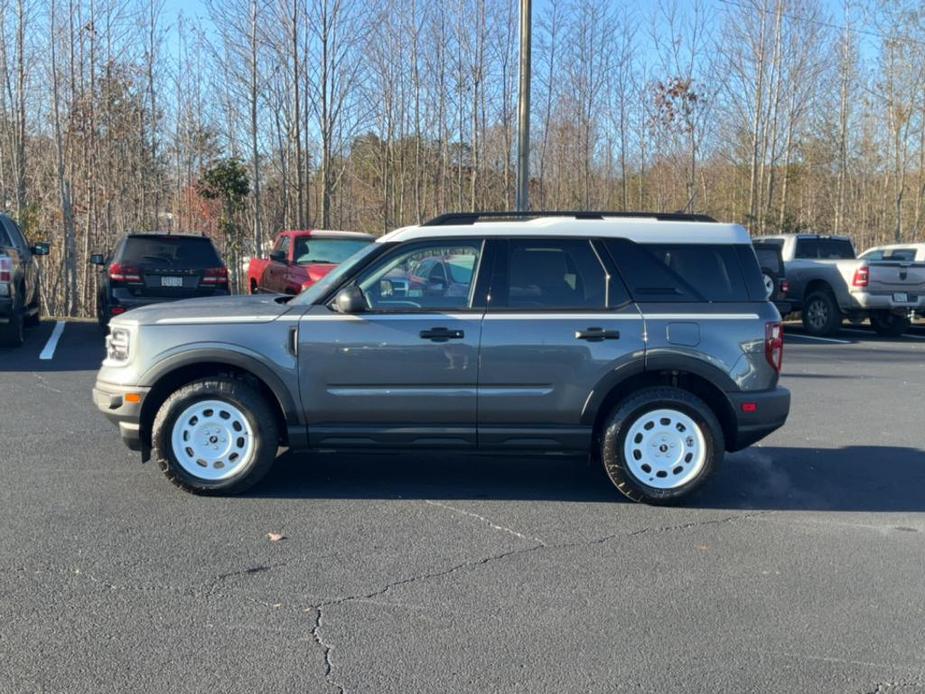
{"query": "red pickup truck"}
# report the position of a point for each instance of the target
(301, 258)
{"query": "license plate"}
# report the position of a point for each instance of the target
(171, 281)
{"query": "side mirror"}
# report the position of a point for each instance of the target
(97, 259)
(278, 256)
(350, 300)
(40, 249)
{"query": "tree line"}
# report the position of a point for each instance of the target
(258, 115)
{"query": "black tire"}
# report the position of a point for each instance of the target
(821, 316)
(35, 311)
(635, 406)
(887, 324)
(248, 400)
(11, 333)
(102, 315)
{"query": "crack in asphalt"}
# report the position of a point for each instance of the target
(881, 687)
(327, 648)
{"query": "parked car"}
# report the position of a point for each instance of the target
(301, 258)
(828, 283)
(914, 252)
(647, 340)
(774, 275)
(20, 298)
(153, 268)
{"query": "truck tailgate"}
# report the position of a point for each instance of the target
(895, 276)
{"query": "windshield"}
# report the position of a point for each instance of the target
(320, 288)
(320, 250)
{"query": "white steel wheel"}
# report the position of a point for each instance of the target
(664, 449)
(212, 440)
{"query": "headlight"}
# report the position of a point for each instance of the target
(118, 345)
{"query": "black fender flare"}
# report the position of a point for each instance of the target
(246, 360)
(650, 364)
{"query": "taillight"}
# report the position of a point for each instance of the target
(125, 273)
(784, 287)
(861, 277)
(215, 275)
(6, 269)
(774, 345)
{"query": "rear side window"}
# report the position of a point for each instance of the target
(543, 274)
(165, 251)
(683, 272)
(900, 254)
(769, 258)
(824, 249)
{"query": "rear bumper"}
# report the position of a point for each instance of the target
(883, 301)
(771, 410)
(6, 309)
(111, 401)
(127, 301)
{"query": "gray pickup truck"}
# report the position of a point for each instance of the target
(829, 283)
(19, 282)
(647, 340)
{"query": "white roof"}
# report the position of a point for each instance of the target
(640, 229)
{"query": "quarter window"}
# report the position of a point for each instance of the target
(681, 272)
(542, 274)
(425, 277)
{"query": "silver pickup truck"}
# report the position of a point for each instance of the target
(829, 283)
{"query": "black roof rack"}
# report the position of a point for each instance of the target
(462, 218)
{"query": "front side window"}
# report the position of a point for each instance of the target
(421, 278)
(540, 274)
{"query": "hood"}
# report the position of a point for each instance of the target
(261, 308)
(317, 271)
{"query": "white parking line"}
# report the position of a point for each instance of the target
(52, 343)
(788, 336)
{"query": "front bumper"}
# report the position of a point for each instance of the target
(770, 413)
(110, 399)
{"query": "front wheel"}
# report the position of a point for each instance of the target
(821, 316)
(887, 324)
(660, 444)
(215, 436)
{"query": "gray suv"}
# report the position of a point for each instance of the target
(644, 339)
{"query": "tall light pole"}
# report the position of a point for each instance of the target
(523, 111)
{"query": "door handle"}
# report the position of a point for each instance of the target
(442, 334)
(597, 334)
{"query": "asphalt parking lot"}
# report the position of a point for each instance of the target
(800, 567)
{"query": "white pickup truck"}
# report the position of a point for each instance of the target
(829, 283)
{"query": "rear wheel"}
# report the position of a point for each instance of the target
(215, 436)
(11, 333)
(660, 444)
(889, 324)
(821, 316)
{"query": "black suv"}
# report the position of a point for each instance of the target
(151, 268)
(19, 282)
